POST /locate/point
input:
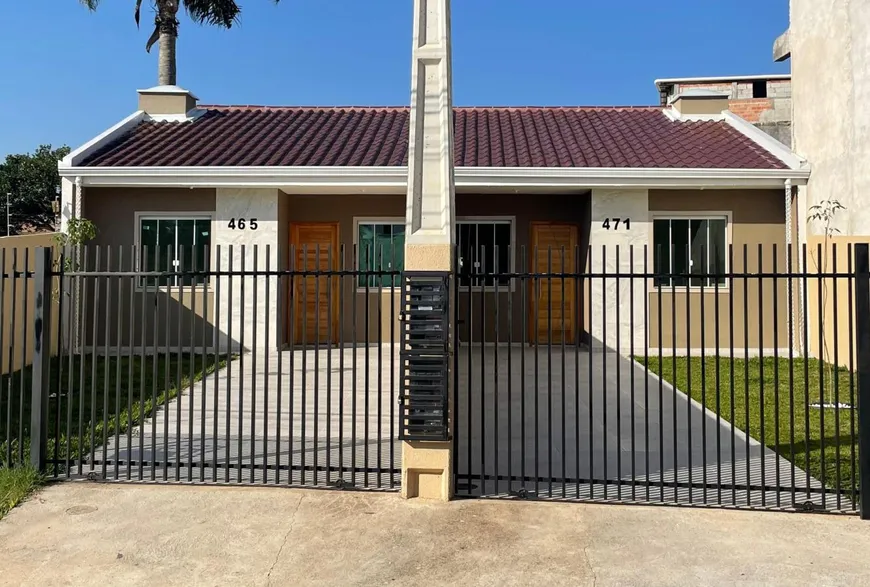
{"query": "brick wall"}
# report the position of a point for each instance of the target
(751, 109)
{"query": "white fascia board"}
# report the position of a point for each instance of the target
(372, 178)
(103, 138)
(722, 79)
(766, 141)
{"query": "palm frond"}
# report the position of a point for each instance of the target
(222, 13)
(136, 15)
(90, 4)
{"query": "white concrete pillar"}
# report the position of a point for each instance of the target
(247, 220)
(427, 467)
(620, 221)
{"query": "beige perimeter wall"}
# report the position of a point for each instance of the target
(16, 346)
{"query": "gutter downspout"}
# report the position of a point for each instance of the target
(797, 342)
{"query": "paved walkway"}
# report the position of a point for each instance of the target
(90, 534)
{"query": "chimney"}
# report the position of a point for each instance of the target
(700, 102)
(164, 101)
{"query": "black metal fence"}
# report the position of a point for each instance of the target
(634, 375)
(605, 374)
(248, 369)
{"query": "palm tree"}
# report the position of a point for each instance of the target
(222, 13)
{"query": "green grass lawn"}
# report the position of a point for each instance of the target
(698, 378)
(114, 394)
(15, 485)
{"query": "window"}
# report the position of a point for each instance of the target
(686, 246)
(759, 89)
(380, 247)
(484, 249)
(174, 244)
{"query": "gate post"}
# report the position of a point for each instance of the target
(427, 466)
(41, 356)
(862, 321)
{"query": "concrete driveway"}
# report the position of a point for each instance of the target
(83, 533)
(598, 426)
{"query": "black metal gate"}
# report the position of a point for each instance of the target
(164, 367)
(618, 378)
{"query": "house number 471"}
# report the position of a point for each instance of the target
(242, 223)
(615, 223)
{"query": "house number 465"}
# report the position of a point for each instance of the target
(242, 223)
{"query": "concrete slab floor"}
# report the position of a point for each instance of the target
(89, 534)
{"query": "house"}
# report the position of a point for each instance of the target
(252, 184)
(763, 100)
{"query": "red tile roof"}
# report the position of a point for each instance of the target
(484, 137)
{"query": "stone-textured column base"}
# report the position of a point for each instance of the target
(427, 470)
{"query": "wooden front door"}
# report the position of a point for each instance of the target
(553, 305)
(314, 299)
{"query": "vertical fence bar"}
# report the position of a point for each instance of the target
(604, 372)
(393, 284)
(380, 304)
(155, 357)
(303, 400)
(836, 382)
(791, 341)
(496, 303)
(367, 367)
(618, 383)
(805, 276)
(746, 397)
(21, 390)
(41, 360)
(659, 287)
(191, 401)
(776, 377)
(241, 398)
(862, 307)
(143, 328)
(167, 367)
(230, 344)
(255, 286)
(646, 339)
(203, 406)
(536, 284)
(469, 392)
(510, 372)
(674, 430)
(131, 350)
(850, 288)
(631, 355)
(341, 349)
(63, 280)
(291, 341)
(763, 439)
(564, 390)
(718, 378)
(823, 358)
(524, 284)
(353, 359)
(93, 422)
(58, 423)
(578, 308)
(481, 280)
(731, 284)
(267, 346)
(317, 274)
(689, 358)
(106, 357)
(179, 359)
(281, 333)
(118, 316)
(329, 344)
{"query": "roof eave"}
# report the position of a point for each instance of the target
(395, 178)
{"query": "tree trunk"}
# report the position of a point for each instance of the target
(166, 75)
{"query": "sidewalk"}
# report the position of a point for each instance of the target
(90, 534)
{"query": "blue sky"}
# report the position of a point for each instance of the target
(69, 74)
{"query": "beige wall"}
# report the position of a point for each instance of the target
(18, 253)
(830, 302)
(168, 317)
(757, 217)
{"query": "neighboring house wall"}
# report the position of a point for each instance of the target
(756, 217)
(18, 253)
(830, 62)
(771, 113)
